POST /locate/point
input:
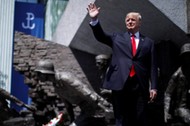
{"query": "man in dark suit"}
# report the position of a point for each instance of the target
(132, 74)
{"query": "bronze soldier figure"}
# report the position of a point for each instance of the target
(73, 90)
(177, 95)
(9, 116)
(8, 96)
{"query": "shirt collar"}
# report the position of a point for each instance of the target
(137, 34)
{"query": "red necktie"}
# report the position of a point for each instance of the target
(132, 72)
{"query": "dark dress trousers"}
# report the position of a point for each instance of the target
(117, 77)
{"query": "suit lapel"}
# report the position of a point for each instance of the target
(141, 42)
(128, 42)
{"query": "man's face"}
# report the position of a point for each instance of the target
(45, 77)
(132, 22)
(42, 77)
(101, 63)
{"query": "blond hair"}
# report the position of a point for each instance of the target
(136, 14)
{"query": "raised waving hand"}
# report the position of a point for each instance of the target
(93, 11)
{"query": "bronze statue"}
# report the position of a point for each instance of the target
(8, 96)
(73, 90)
(9, 116)
(177, 95)
(102, 63)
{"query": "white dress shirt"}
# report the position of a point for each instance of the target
(137, 38)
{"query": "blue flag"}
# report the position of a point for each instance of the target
(29, 19)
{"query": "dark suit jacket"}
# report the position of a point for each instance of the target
(122, 60)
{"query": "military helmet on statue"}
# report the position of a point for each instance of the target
(185, 54)
(102, 56)
(185, 48)
(45, 66)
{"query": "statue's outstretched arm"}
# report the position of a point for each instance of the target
(83, 90)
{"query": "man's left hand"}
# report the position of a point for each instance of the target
(153, 94)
